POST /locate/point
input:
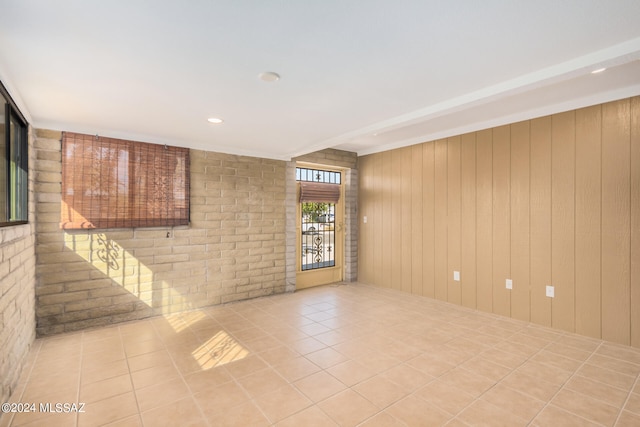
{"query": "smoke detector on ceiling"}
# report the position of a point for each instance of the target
(269, 77)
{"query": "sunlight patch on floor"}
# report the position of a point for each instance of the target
(219, 350)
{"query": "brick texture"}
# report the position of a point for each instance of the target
(331, 157)
(291, 213)
(17, 302)
(351, 221)
(233, 249)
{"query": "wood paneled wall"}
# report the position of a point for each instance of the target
(550, 201)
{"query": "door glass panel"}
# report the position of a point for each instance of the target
(318, 235)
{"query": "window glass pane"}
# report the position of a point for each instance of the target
(3, 162)
(13, 163)
(17, 172)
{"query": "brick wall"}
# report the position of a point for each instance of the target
(351, 221)
(331, 157)
(291, 214)
(233, 249)
(17, 302)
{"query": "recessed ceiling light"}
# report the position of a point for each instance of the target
(269, 77)
(599, 70)
(215, 120)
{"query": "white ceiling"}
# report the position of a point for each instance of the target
(361, 75)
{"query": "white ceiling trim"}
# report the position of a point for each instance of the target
(622, 53)
(509, 119)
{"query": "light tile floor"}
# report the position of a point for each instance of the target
(349, 355)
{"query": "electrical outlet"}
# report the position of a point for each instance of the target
(550, 291)
(509, 284)
(456, 276)
(364, 219)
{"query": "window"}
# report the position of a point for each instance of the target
(13, 163)
(113, 183)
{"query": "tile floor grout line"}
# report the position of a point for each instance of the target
(251, 398)
(347, 387)
(404, 363)
(529, 358)
(180, 373)
(82, 334)
(626, 400)
(573, 374)
(28, 379)
(133, 388)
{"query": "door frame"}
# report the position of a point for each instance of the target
(325, 275)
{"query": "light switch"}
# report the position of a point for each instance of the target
(364, 219)
(456, 276)
(509, 284)
(550, 291)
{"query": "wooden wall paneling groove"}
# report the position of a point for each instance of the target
(484, 220)
(364, 194)
(453, 219)
(540, 225)
(501, 220)
(441, 266)
(635, 222)
(396, 220)
(406, 250)
(520, 224)
(416, 219)
(387, 219)
(428, 216)
(440, 202)
(616, 242)
(588, 208)
(563, 220)
(368, 229)
(376, 224)
(468, 219)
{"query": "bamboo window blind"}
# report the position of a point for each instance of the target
(319, 192)
(114, 183)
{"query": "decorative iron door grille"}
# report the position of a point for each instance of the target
(318, 223)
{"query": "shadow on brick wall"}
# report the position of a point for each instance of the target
(98, 280)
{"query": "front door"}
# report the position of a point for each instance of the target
(320, 227)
